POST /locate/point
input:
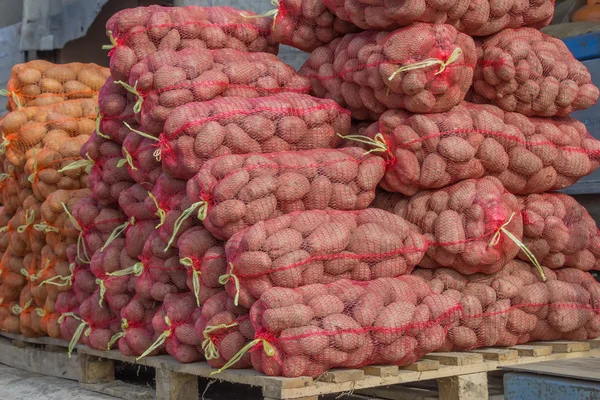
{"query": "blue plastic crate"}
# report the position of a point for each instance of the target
(584, 47)
(524, 386)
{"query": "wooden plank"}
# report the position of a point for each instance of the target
(342, 375)
(423, 365)
(526, 350)
(94, 370)
(399, 392)
(39, 340)
(595, 343)
(121, 390)
(175, 386)
(563, 346)
(455, 358)
(497, 354)
(39, 361)
(381, 370)
(464, 387)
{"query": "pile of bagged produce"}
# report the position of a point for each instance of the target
(394, 197)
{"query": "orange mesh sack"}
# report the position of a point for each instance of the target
(307, 24)
(528, 155)
(236, 191)
(170, 79)
(316, 247)
(174, 323)
(560, 232)
(28, 130)
(472, 226)
(53, 277)
(204, 258)
(348, 324)
(10, 190)
(226, 329)
(23, 237)
(115, 107)
(159, 271)
(41, 83)
(515, 307)
(197, 132)
(473, 17)
(138, 33)
(422, 68)
(11, 277)
(525, 71)
(137, 333)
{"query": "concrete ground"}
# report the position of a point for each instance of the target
(16, 384)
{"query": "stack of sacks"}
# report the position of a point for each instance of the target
(52, 114)
(466, 201)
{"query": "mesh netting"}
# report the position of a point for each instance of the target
(137, 333)
(560, 232)
(12, 278)
(236, 191)
(115, 105)
(472, 226)
(422, 68)
(140, 32)
(473, 17)
(528, 155)
(41, 83)
(10, 190)
(169, 79)
(131, 201)
(197, 132)
(226, 329)
(525, 71)
(97, 324)
(307, 24)
(139, 159)
(23, 238)
(315, 247)
(204, 258)
(514, 307)
(54, 127)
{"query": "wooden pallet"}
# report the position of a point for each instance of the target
(460, 375)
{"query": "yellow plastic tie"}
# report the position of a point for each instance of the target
(430, 62)
(210, 350)
(266, 346)
(44, 227)
(202, 207)
(160, 213)
(223, 279)
(40, 312)
(271, 13)
(496, 239)
(136, 269)
(119, 335)
(143, 134)
(113, 42)
(117, 232)
(102, 286)
(80, 242)
(76, 336)
(378, 142)
(13, 96)
(4, 229)
(159, 342)
(32, 176)
(137, 107)
(68, 314)
(4, 144)
(128, 159)
(98, 121)
(29, 218)
(4, 176)
(87, 164)
(17, 310)
(188, 262)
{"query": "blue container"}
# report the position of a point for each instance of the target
(584, 47)
(524, 386)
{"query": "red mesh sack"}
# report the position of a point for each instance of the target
(40, 83)
(108, 176)
(159, 270)
(139, 159)
(131, 201)
(27, 130)
(422, 68)
(140, 32)
(560, 232)
(472, 226)
(66, 303)
(174, 323)
(307, 24)
(526, 71)
(137, 334)
(313, 247)
(514, 306)
(236, 191)
(204, 257)
(197, 132)
(528, 155)
(348, 324)
(95, 223)
(115, 107)
(473, 17)
(167, 80)
(226, 329)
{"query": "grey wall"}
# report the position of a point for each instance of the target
(12, 12)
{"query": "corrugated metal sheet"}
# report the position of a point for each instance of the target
(10, 54)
